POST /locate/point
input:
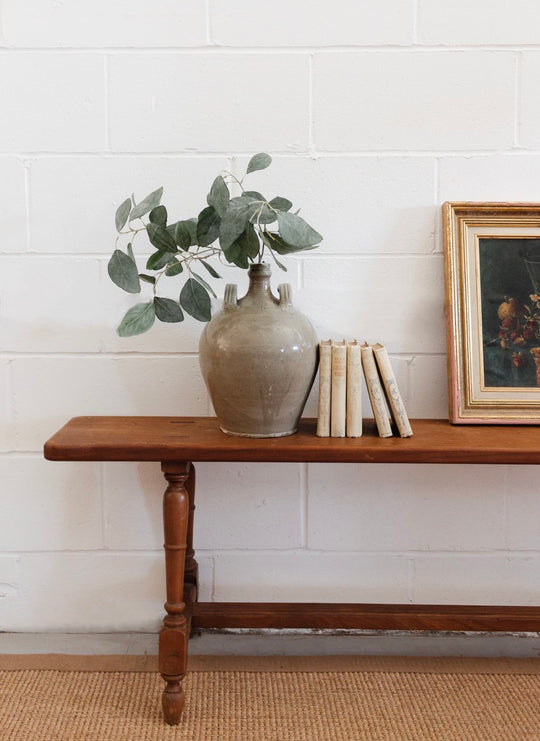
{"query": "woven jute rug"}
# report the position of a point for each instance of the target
(280, 699)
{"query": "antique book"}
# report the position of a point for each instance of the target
(325, 371)
(338, 389)
(353, 425)
(375, 392)
(391, 389)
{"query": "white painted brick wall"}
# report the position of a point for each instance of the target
(375, 114)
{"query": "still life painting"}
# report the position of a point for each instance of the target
(492, 271)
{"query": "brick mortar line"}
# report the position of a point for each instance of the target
(221, 49)
(286, 552)
(307, 154)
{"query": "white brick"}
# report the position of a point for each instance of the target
(303, 23)
(133, 506)
(477, 580)
(523, 508)
(214, 102)
(62, 505)
(359, 204)
(9, 581)
(52, 102)
(489, 178)
(50, 304)
(6, 420)
(310, 577)
(394, 300)
(427, 387)
(88, 592)
(401, 507)
(105, 182)
(419, 100)
(48, 391)
(529, 114)
(255, 504)
(80, 23)
(12, 205)
(481, 22)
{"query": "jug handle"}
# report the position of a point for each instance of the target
(230, 297)
(285, 295)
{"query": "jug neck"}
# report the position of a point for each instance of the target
(259, 279)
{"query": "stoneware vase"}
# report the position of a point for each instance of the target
(258, 358)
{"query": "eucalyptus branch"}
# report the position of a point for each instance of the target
(233, 229)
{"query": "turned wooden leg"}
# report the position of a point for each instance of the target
(173, 638)
(191, 572)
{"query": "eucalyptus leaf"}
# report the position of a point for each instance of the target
(203, 283)
(130, 252)
(297, 232)
(236, 255)
(168, 310)
(158, 215)
(122, 214)
(281, 204)
(259, 162)
(147, 278)
(160, 238)
(208, 226)
(234, 221)
(146, 205)
(159, 259)
(218, 196)
(185, 235)
(210, 269)
(248, 241)
(254, 194)
(261, 213)
(278, 263)
(137, 320)
(174, 268)
(195, 300)
(277, 244)
(123, 271)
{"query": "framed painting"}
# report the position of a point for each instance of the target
(492, 274)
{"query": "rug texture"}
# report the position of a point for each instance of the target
(386, 704)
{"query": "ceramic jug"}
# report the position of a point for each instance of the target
(258, 358)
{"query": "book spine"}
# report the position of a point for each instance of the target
(325, 367)
(391, 388)
(375, 392)
(354, 390)
(338, 389)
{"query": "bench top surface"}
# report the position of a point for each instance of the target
(200, 439)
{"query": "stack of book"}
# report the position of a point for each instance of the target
(341, 368)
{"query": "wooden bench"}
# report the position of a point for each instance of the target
(177, 442)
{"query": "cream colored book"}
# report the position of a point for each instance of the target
(354, 390)
(393, 396)
(338, 389)
(375, 392)
(325, 375)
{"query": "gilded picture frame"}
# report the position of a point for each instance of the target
(492, 280)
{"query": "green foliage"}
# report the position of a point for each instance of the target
(123, 271)
(195, 300)
(233, 227)
(138, 319)
(168, 310)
